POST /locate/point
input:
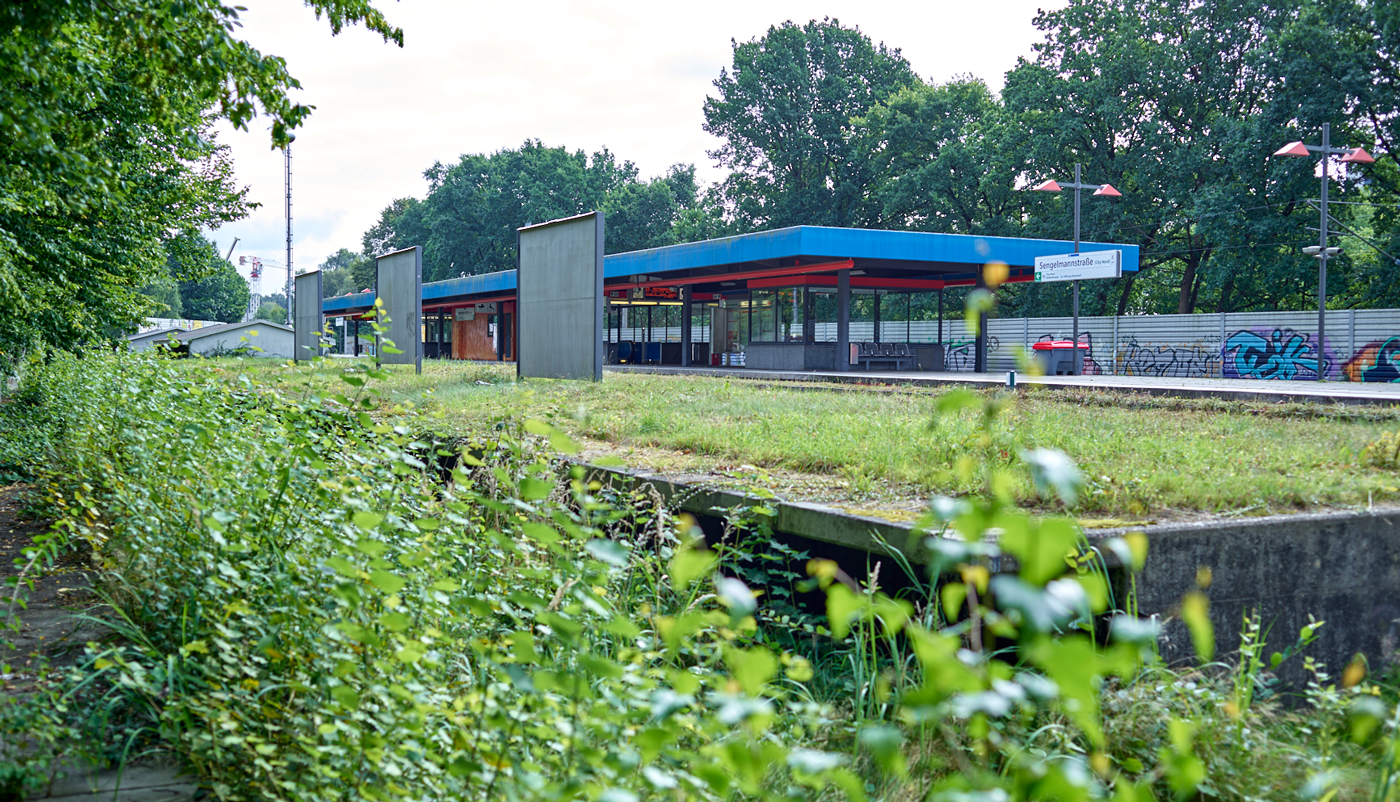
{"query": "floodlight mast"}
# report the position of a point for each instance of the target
(1105, 190)
(1321, 251)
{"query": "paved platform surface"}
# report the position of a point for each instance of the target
(1233, 389)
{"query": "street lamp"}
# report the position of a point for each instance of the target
(1321, 251)
(1105, 190)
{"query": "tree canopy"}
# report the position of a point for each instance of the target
(785, 110)
(106, 150)
(468, 220)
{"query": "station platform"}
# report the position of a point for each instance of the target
(1230, 389)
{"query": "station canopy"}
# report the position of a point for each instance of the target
(810, 256)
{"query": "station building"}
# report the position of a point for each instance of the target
(792, 298)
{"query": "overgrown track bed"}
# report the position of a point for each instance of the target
(884, 448)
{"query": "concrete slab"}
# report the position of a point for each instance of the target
(1230, 389)
(148, 782)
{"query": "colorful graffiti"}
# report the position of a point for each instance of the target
(1277, 354)
(1185, 361)
(1376, 361)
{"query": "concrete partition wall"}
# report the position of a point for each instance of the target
(560, 313)
(399, 283)
(306, 341)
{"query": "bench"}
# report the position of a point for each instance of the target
(900, 355)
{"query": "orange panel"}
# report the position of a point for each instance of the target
(471, 339)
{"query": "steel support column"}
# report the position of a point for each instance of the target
(687, 293)
(843, 320)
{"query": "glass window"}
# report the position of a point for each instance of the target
(736, 335)
(764, 321)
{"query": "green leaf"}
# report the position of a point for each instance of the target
(535, 489)
(537, 426)
(563, 443)
(752, 668)
(609, 551)
(395, 621)
(1195, 611)
(385, 581)
(842, 605)
(885, 744)
(956, 400)
(411, 652)
(346, 697)
(690, 562)
(1040, 547)
(366, 520)
(736, 596)
(1052, 470)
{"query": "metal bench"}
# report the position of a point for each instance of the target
(900, 355)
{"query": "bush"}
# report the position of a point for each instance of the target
(315, 603)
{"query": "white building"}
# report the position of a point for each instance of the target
(146, 339)
(274, 339)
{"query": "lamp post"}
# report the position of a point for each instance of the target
(287, 158)
(1105, 190)
(1321, 251)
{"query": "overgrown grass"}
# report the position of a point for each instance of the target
(313, 604)
(1143, 457)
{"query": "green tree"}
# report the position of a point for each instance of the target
(270, 311)
(344, 271)
(946, 159)
(1177, 105)
(216, 291)
(467, 223)
(106, 148)
(784, 110)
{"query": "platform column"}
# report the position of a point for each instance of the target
(843, 320)
(686, 295)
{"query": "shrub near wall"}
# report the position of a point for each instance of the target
(313, 610)
(316, 605)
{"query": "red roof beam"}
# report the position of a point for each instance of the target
(772, 272)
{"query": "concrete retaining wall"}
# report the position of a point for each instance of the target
(1342, 568)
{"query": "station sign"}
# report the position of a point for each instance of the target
(672, 294)
(1079, 266)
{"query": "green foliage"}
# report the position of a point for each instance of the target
(106, 149)
(210, 286)
(315, 602)
(785, 111)
(467, 222)
(275, 313)
(311, 613)
(1383, 452)
(346, 272)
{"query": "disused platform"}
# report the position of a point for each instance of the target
(1229, 389)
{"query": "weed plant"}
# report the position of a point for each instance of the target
(310, 602)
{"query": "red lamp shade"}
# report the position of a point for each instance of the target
(1293, 149)
(1107, 190)
(1048, 186)
(1358, 156)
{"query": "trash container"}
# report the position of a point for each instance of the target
(1056, 357)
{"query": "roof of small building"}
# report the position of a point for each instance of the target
(154, 333)
(228, 328)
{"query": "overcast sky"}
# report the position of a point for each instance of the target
(479, 77)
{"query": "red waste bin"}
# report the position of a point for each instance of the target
(1056, 357)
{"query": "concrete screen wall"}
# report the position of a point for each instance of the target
(560, 282)
(399, 282)
(308, 318)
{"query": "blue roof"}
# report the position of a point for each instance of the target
(943, 255)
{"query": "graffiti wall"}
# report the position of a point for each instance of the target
(1376, 361)
(1193, 360)
(1360, 346)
